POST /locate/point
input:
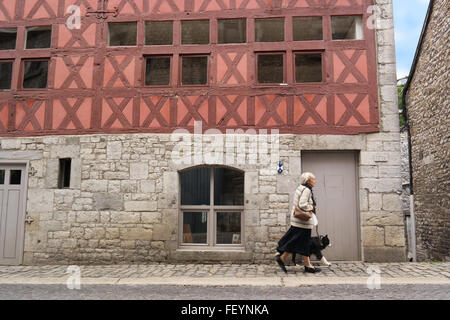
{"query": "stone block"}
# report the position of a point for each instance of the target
(395, 236)
(40, 201)
(163, 231)
(170, 182)
(373, 236)
(125, 217)
(391, 202)
(251, 182)
(95, 185)
(135, 234)
(10, 144)
(151, 217)
(87, 216)
(382, 218)
(108, 201)
(375, 201)
(114, 150)
(140, 206)
(385, 254)
(147, 186)
(139, 171)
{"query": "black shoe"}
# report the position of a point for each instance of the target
(281, 264)
(312, 270)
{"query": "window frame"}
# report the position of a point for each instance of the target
(211, 209)
(17, 38)
(22, 73)
(271, 84)
(307, 52)
(108, 34)
(180, 70)
(347, 15)
(26, 37)
(144, 77)
(12, 74)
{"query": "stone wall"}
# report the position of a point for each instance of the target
(122, 206)
(428, 111)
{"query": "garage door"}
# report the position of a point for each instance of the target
(12, 213)
(336, 196)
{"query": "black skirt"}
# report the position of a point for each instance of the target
(296, 240)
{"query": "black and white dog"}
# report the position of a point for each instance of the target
(317, 245)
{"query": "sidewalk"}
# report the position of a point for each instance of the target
(230, 274)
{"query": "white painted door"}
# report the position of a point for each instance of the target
(336, 196)
(12, 213)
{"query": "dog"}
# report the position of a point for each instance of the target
(317, 245)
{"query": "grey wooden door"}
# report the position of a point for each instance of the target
(12, 213)
(336, 196)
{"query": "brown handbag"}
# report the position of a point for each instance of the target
(302, 215)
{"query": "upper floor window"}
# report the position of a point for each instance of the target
(347, 28)
(195, 32)
(232, 30)
(5, 74)
(269, 30)
(194, 70)
(307, 28)
(8, 38)
(159, 33)
(35, 74)
(38, 37)
(212, 201)
(158, 71)
(122, 34)
(308, 67)
(271, 68)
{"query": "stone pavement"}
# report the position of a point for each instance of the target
(231, 274)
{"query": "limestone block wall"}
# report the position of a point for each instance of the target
(428, 113)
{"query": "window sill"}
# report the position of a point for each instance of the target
(211, 254)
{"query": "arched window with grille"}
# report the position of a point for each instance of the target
(211, 207)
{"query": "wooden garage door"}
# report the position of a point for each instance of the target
(12, 213)
(336, 196)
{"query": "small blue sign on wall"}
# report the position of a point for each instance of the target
(280, 167)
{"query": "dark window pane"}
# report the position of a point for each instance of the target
(35, 74)
(8, 39)
(307, 28)
(159, 33)
(347, 28)
(122, 33)
(228, 187)
(232, 31)
(194, 70)
(15, 176)
(308, 68)
(228, 227)
(195, 226)
(195, 186)
(158, 71)
(5, 75)
(270, 68)
(64, 173)
(195, 32)
(39, 37)
(2, 176)
(269, 30)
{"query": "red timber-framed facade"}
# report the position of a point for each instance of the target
(96, 88)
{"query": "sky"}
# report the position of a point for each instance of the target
(409, 16)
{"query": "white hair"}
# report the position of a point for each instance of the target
(306, 176)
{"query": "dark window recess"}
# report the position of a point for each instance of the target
(270, 68)
(269, 30)
(307, 28)
(64, 173)
(195, 186)
(228, 187)
(232, 31)
(5, 75)
(15, 177)
(8, 38)
(2, 176)
(122, 34)
(195, 226)
(347, 28)
(228, 227)
(194, 71)
(195, 32)
(308, 68)
(39, 37)
(35, 74)
(159, 33)
(157, 71)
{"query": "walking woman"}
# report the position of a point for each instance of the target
(298, 238)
